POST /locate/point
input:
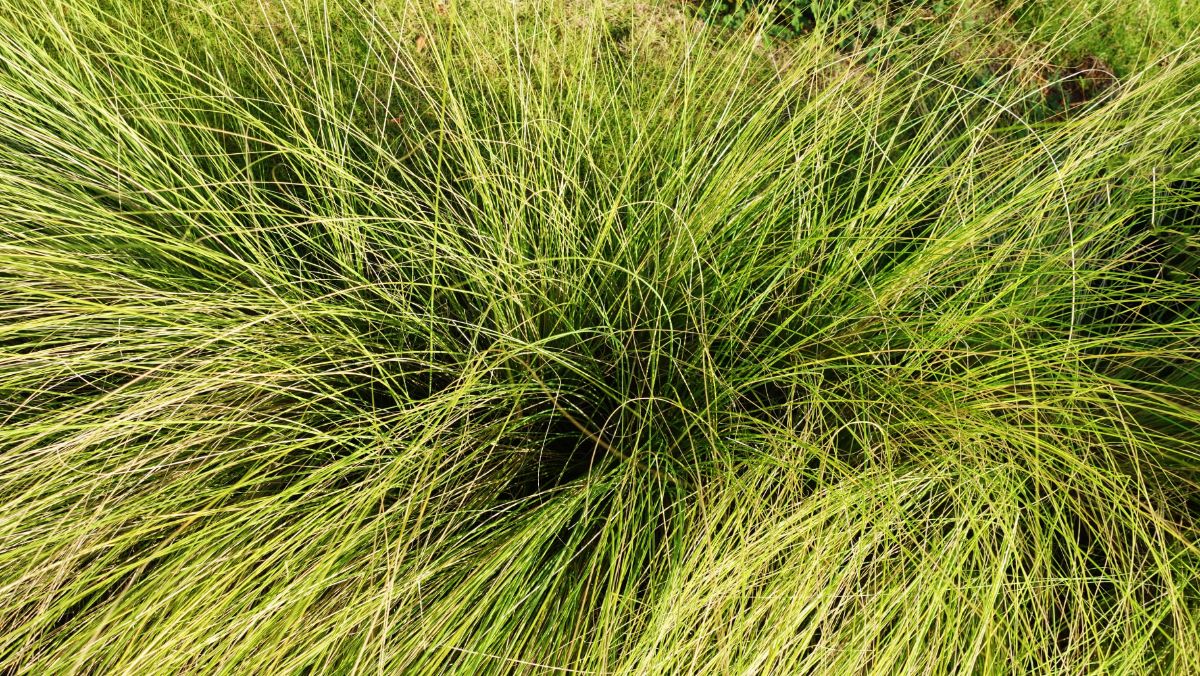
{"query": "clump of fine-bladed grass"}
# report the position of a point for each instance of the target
(532, 337)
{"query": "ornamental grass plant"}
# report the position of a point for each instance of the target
(571, 337)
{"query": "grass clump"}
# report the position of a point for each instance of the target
(545, 337)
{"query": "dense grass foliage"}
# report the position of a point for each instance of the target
(494, 338)
(786, 19)
(1127, 35)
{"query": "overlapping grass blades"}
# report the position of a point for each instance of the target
(491, 339)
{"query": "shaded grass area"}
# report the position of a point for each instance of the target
(494, 338)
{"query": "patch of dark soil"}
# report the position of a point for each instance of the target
(1070, 88)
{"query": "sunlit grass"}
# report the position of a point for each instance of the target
(508, 338)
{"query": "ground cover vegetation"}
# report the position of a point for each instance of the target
(571, 337)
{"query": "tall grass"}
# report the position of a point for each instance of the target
(495, 338)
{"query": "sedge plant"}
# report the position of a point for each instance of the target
(560, 337)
